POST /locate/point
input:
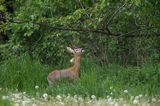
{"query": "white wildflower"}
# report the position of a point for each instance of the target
(137, 97)
(18, 101)
(45, 95)
(4, 97)
(12, 99)
(58, 97)
(17, 96)
(125, 105)
(111, 87)
(68, 97)
(24, 103)
(153, 99)
(32, 99)
(36, 87)
(140, 95)
(108, 96)
(93, 96)
(112, 103)
(116, 104)
(145, 95)
(109, 99)
(125, 91)
(24, 93)
(61, 103)
(89, 102)
(135, 101)
(80, 99)
(75, 100)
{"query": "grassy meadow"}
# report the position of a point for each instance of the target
(22, 74)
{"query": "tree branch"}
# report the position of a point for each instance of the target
(132, 33)
(100, 31)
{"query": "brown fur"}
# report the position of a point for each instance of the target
(71, 73)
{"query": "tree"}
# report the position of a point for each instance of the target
(113, 31)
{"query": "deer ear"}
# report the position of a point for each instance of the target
(70, 50)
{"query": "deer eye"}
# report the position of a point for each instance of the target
(78, 50)
(75, 50)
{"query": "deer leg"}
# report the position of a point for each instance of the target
(51, 83)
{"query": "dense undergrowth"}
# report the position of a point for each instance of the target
(24, 74)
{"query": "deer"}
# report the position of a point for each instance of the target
(72, 72)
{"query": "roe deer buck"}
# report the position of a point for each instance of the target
(72, 72)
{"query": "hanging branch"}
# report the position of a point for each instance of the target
(131, 33)
(98, 31)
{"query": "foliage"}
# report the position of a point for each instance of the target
(35, 23)
(17, 73)
(24, 74)
(2, 14)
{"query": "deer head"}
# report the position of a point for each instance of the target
(75, 51)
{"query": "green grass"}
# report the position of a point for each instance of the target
(4, 102)
(24, 74)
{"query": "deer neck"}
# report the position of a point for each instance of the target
(77, 63)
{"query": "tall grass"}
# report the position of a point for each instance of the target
(4, 99)
(24, 74)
